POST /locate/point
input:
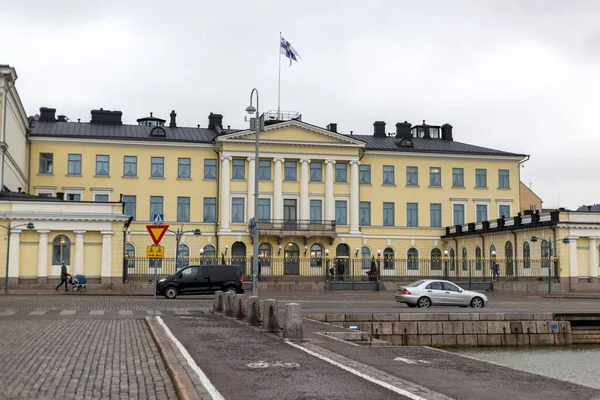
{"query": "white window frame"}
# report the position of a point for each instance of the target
(508, 203)
(45, 190)
(478, 202)
(237, 195)
(96, 191)
(464, 203)
(73, 190)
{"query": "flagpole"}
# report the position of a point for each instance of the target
(279, 82)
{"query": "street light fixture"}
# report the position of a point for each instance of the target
(9, 229)
(550, 259)
(178, 234)
(250, 110)
(445, 264)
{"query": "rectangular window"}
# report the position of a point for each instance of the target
(435, 176)
(210, 168)
(482, 213)
(264, 209)
(388, 214)
(458, 213)
(46, 163)
(412, 214)
(458, 177)
(316, 171)
(157, 167)
(316, 211)
(210, 209)
(156, 206)
(101, 198)
(504, 211)
(364, 213)
(74, 164)
(238, 169)
(183, 209)
(130, 166)
(102, 165)
(290, 174)
(388, 174)
(435, 215)
(45, 195)
(264, 170)
(341, 172)
(503, 179)
(341, 212)
(184, 168)
(73, 197)
(130, 205)
(237, 209)
(412, 176)
(364, 174)
(480, 178)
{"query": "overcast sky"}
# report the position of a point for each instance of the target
(521, 76)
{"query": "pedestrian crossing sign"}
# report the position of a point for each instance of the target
(157, 232)
(158, 219)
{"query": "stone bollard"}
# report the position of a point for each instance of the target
(252, 307)
(239, 308)
(218, 303)
(228, 303)
(292, 325)
(269, 323)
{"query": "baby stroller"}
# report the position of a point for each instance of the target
(78, 281)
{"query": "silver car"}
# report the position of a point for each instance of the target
(428, 292)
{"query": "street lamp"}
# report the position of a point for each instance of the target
(9, 229)
(251, 109)
(445, 264)
(550, 241)
(178, 234)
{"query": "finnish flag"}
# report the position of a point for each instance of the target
(288, 51)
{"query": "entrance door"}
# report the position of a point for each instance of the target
(291, 257)
(342, 262)
(238, 256)
(290, 214)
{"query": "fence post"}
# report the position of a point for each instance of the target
(125, 262)
(292, 326)
(238, 306)
(378, 272)
(218, 302)
(252, 310)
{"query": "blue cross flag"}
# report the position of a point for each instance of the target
(288, 51)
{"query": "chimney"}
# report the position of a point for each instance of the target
(61, 118)
(426, 134)
(106, 117)
(379, 129)
(403, 130)
(47, 114)
(60, 195)
(447, 132)
(214, 121)
(332, 127)
(173, 123)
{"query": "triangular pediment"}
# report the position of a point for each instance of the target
(293, 133)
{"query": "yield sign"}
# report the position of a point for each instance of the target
(157, 232)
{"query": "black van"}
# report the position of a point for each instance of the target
(200, 279)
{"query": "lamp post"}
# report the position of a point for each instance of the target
(327, 272)
(251, 109)
(178, 234)
(493, 261)
(446, 264)
(9, 229)
(551, 260)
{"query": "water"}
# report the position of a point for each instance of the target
(578, 364)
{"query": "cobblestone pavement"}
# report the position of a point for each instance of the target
(81, 359)
(81, 301)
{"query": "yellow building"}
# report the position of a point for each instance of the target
(529, 200)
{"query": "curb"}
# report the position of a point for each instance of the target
(184, 387)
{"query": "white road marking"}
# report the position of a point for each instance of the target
(182, 312)
(409, 361)
(264, 364)
(125, 312)
(212, 390)
(8, 312)
(97, 312)
(68, 312)
(38, 312)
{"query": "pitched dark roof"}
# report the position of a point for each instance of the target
(389, 143)
(6, 195)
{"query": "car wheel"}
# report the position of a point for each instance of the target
(411, 305)
(231, 289)
(171, 292)
(424, 302)
(477, 302)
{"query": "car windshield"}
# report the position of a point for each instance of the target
(415, 284)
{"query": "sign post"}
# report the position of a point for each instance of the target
(157, 251)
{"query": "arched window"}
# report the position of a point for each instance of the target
(478, 262)
(508, 250)
(365, 254)
(264, 255)
(209, 256)
(388, 258)
(435, 263)
(412, 259)
(545, 253)
(342, 250)
(492, 250)
(526, 255)
(183, 256)
(452, 259)
(130, 253)
(238, 255)
(465, 263)
(61, 250)
(316, 256)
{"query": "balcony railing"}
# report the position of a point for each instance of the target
(296, 225)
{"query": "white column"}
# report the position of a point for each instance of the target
(304, 176)
(225, 198)
(354, 200)
(78, 259)
(251, 178)
(278, 189)
(573, 270)
(329, 200)
(42, 270)
(13, 267)
(106, 255)
(593, 259)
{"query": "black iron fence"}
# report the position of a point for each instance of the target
(355, 270)
(295, 225)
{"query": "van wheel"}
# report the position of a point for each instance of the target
(171, 292)
(231, 289)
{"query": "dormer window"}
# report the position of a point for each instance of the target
(434, 132)
(151, 121)
(158, 131)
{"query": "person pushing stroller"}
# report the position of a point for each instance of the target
(64, 275)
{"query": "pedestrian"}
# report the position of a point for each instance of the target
(63, 277)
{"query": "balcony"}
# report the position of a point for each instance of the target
(306, 228)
